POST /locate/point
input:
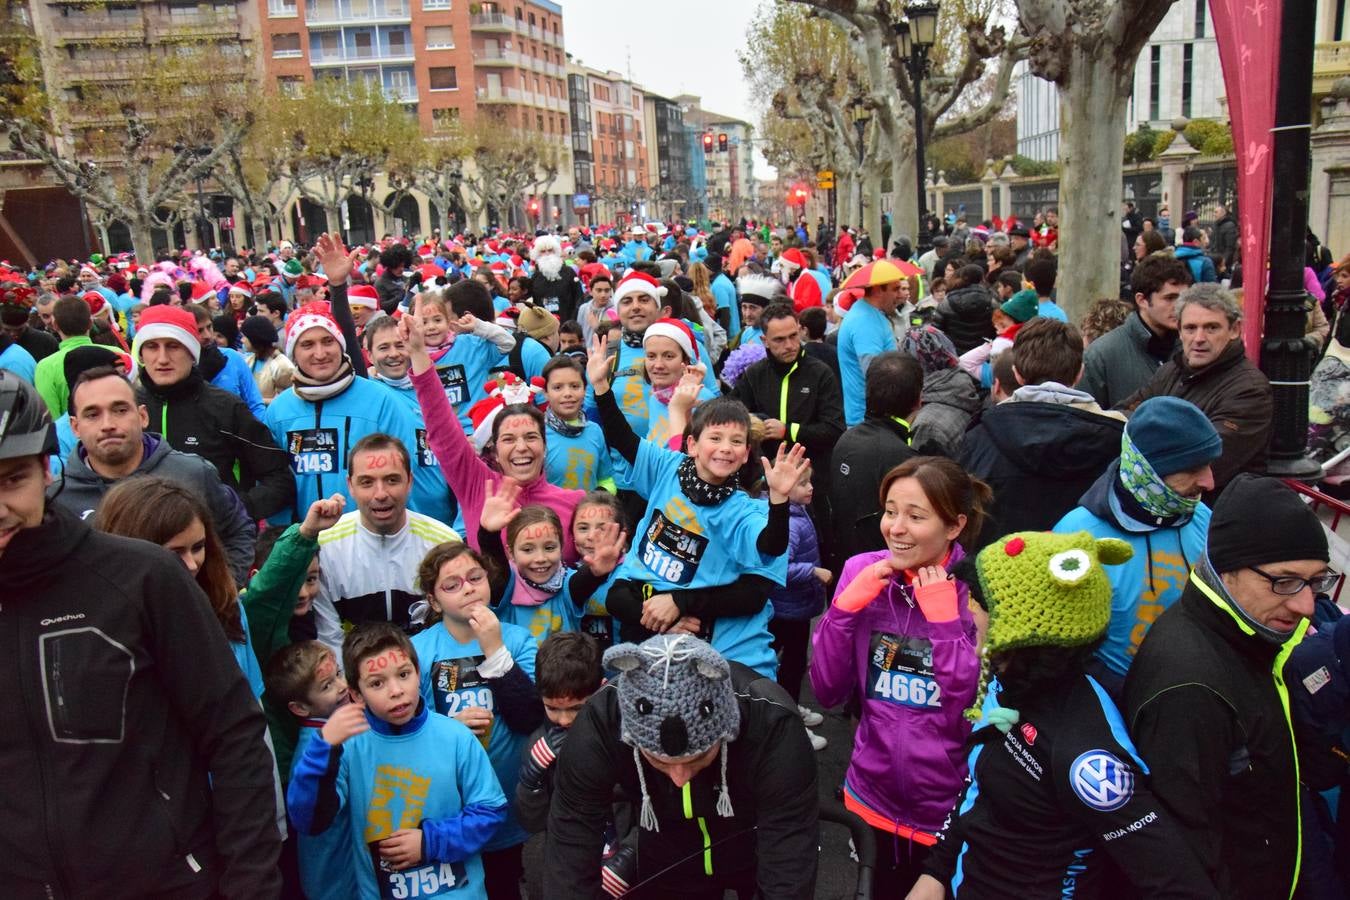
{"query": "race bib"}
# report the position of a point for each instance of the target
(900, 671)
(432, 880)
(314, 451)
(671, 552)
(455, 382)
(425, 458)
(457, 686)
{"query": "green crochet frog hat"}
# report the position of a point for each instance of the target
(1044, 590)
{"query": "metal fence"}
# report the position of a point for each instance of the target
(968, 200)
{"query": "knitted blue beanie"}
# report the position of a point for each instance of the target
(1173, 434)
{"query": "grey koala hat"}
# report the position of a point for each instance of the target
(676, 702)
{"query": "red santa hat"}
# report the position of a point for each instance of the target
(806, 292)
(678, 332)
(636, 282)
(201, 290)
(426, 251)
(794, 257)
(363, 295)
(505, 389)
(311, 315)
(164, 322)
(241, 287)
(94, 300)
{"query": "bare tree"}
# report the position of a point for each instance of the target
(505, 162)
(1089, 49)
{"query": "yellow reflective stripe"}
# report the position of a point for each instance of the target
(688, 801)
(1277, 670)
(783, 394)
(707, 847)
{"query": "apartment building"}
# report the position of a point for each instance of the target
(669, 168)
(729, 174)
(619, 148)
(85, 48)
(449, 61)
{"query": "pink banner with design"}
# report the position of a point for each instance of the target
(1248, 32)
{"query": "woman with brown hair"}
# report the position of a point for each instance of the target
(166, 513)
(901, 637)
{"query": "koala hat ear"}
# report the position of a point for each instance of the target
(623, 657)
(711, 670)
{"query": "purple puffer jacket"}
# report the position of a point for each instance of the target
(804, 596)
(908, 762)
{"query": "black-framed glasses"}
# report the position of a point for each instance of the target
(1288, 585)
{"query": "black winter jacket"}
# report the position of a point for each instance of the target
(810, 405)
(124, 698)
(1203, 703)
(1039, 459)
(196, 417)
(770, 843)
(966, 316)
(862, 457)
(560, 296)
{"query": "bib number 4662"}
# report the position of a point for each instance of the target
(911, 690)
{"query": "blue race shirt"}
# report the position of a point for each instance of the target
(581, 461)
(681, 545)
(463, 371)
(724, 292)
(451, 683)
(864, 333)
(325, 861)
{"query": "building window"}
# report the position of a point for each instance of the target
(281, 9)
(443, 78)
(285, 45)
(1187, 68)
(1200, 18)
(1154, 81)
(440, 37)
(290, 85)
(398, 43)
(444, 119)
(435, 4)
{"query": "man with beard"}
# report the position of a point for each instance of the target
(1123, 360)
(114, 445)
(556, 287)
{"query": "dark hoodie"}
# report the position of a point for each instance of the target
(81, 490)
(1038, 458)
(950, 400)
(966, 316)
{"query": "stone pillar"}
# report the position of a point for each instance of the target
(939, 191)
(1329, 200)
(1005, 178)
(987, 191)
(1176, 163)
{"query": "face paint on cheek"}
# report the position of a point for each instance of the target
(390, 659)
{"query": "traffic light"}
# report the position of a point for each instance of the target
(534, 208)
(707, 142)
(722, 142)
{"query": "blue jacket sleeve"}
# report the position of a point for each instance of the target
(458, 837)
(246, 387)
(314, 796)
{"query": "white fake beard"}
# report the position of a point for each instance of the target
(550, 265)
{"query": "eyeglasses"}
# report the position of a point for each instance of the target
(1288, 585)
(455, 585)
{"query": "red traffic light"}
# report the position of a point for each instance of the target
(534, 207)
(707, 142)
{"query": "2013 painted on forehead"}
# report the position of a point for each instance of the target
(390, 658)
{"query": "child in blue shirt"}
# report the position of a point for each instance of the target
(599, 522)
(577, 455)
(542, 595)
(304, 677)
(480, 670)
(419, 796)
(699, 531)
(464, 351)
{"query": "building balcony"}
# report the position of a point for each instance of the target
(102, 31)
(498, 95)
(1330, 61)
(406, 94)
(170, 28)
(338, 56)
(497, 58)
(493, 22)
(77, 70)
(381, 13)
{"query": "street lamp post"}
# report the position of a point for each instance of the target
(862, 113)
(915, 37)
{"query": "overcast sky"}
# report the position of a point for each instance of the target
(686, 48)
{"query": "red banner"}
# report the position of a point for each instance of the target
(1248, 32)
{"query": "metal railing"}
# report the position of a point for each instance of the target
(377, 12)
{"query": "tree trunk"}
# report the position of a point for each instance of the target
(142, 242)
(872, 208)
(257, 231)
(848, 200)
(905, 208)
(1091, 148)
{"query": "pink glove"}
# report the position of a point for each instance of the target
(863, 589)
(937, 601)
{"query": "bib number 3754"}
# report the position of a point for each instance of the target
(426, 881)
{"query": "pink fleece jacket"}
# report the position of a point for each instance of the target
(469, 477)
